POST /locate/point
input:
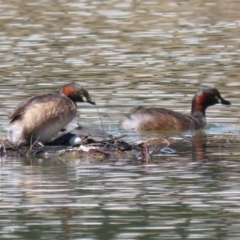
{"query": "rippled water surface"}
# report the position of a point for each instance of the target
(126, 53)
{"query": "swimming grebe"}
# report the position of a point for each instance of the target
(144, 119)
(41, 117)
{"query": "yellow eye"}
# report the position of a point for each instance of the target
(84, 99)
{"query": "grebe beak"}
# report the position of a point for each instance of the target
(224, 102)
(88, 100)
(91, 102)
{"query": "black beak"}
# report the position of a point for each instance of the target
(225, 102)
(91, 102)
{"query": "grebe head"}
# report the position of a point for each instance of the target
(76, 93)
(207, 97)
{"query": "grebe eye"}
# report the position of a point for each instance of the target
(84, 98)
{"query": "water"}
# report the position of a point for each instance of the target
(126, 53)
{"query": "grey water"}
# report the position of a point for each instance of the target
(126, 53)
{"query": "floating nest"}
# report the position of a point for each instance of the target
(100, 145)
(113, 149)
(110, 148)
